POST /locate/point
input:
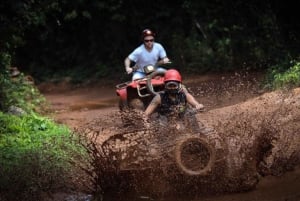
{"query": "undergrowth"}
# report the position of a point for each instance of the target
(20, 92)
(285, 75)
(35, 156)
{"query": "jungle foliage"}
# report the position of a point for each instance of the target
(286, 75)
(85, 39)
(19, 92)
(36, 156)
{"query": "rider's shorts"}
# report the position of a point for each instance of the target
(140, 75)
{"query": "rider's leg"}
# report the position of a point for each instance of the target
(138, 75)
(160, 69)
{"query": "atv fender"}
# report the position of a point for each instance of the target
(122, 93)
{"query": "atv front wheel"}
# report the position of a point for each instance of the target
(194, 156)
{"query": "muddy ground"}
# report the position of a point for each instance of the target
(78, 106)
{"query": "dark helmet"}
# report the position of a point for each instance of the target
(147, 32)
(172, 81)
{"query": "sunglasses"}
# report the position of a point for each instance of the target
(151, 40)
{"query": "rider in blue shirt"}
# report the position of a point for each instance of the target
(149, 52)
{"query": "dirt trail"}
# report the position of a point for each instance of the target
(74, 105)
(77, 106)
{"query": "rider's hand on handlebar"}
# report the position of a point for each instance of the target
(166, 60)
(163, 61)
(199, 107)
(129, 70)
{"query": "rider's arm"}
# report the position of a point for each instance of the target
(191, 99)
(127, 65)
(163, 58)
(156, 101)
(163, 61)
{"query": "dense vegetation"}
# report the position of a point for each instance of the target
(83, 38)
(36, 154)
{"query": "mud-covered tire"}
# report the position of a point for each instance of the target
(199, 161)
(137, 104)
(131, 114)
(132, 104)
(122, 105)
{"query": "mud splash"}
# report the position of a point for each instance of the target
(92, 105)
(258, 140)
(252, 140)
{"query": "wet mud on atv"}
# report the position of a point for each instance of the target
(173, 149)
(137, 94)
(157, 140)
(228, 150)
(170, 154)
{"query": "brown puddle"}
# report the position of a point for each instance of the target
(91, 105)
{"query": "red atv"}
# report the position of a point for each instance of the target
(137, 94)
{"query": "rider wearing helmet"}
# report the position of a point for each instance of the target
(148, 53)
(175, 97)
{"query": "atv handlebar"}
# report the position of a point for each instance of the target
(193, 111)
(135, 68)
(149, 79)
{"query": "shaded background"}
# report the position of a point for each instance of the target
(91, 38)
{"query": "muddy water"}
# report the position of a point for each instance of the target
(280, 188)
(285, 187)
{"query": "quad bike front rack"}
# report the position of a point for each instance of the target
(141, 88)
(123, 85)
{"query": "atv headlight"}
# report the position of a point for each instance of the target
(149, 69)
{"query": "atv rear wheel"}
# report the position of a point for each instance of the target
(122, 105)
(194, 156)
(136, 104)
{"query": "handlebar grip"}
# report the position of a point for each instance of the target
(194, 111)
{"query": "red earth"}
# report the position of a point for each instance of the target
(76, 106)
